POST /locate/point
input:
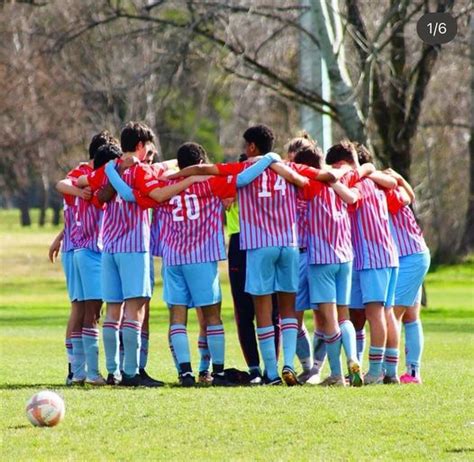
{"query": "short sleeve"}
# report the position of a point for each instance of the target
(305, 170)
(144, 201)
(394, 200)
(145, 179)
(232, 168)
(224, 186)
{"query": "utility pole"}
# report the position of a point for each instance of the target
(314, 76)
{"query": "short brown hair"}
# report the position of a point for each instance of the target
(134, 133)
(302, 140)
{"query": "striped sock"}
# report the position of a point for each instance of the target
(266, 341)
(349, 339)
(413, 346)
(110, 337)
(179, 340)
(319, 350)
(333, 347)
(375, 361)
(289, 333)
(390, 363)
(175, 360)
(68, 345)
(131, 347)
(216, 342)
(144, 349)
(90, 342)
(205, 355)
(303, 348)
(360, 341)
(79, 359)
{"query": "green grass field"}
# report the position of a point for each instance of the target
(434, 421)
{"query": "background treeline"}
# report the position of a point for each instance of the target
(205, 70)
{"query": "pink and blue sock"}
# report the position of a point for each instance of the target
(303, 348)
(145, 336)
(110, 337)
(216, 342)
(390, 363)
(289, 333)
(204, 354)
(349, 339)
(319, 350)
(360, 342)
(333, 348)
(131, 347)
(90, 343)
(414, 341)
(376, 355)
(68, 345)
(266, 341)
(79, 360)
(179, 340)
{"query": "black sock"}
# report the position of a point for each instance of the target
(185, 367)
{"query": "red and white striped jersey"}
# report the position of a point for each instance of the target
(406, 232)
(88, 224)
(191, 223)
(329, 237)
(69, 206)
(267, 208)
(373, 244)
(126, 225)
(155, 240)
(302, 222)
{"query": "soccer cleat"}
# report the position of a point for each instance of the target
(187, 380)
(408, 378)
(255, 378)
(78, 381)
(205, 378)
(69, 379)
(372, 380)
(355, 377)
(333, 381)
(133, 381)
(113, 379)
(275, 382)
(289, 376)
(98, 381)
(219, 380)
(304, 376)
(147, 381)
(314, 377)
(391, 380)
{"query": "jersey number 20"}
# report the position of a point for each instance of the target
(192, 207)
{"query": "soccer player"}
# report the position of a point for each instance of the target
(74, 341)
(125, 256)
(243, 304)
(268, 233)
(414, 264)
(376, 258)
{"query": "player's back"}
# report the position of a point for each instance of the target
(372, 239)
(191, 226)
(268, 212)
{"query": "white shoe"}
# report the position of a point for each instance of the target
(314, 377)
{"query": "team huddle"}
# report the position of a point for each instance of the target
(327, 233)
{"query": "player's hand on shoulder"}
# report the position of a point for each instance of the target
(392, 173)
(128, 163)
(86, 193)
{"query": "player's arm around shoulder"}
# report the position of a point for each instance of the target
(289, 174)
(192, 170)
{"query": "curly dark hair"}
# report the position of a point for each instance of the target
(302, 140)
(262, 136)
(98, 140)
(105, 153)
(344, 150)
(309, 155)
(191, 154)
(134, 133)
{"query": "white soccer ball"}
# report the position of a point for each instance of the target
(45, 409)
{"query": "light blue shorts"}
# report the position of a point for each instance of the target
(152, 273)
(373, 285)
(330, 283)
(125, 275)
(67, 260)
(193, 285)
(412, 272)
(272, 269)
(87, 265)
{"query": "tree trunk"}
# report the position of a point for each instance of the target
(24, 206)
(44, 199)
(399, 158)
